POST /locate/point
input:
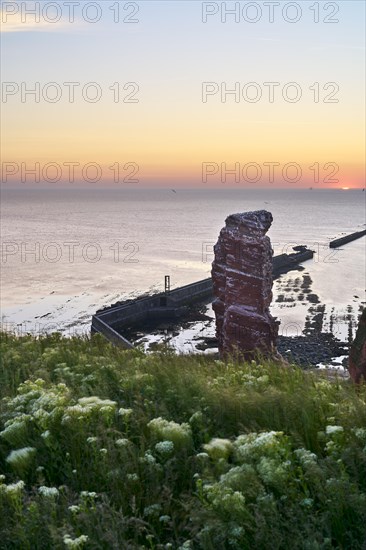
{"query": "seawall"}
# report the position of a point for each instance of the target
(347, 239)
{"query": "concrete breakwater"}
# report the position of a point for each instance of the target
(111, 322)
(347, 239)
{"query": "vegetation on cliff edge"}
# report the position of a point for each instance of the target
(104, 449)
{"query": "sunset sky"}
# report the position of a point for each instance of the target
(168, 132)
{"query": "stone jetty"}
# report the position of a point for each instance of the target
(242, 285)
(347, 239)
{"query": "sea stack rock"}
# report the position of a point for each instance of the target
(242, 284)
(357, 355)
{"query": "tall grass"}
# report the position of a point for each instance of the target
(101, 448)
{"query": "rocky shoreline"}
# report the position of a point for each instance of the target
(305, 351)
(309, 350)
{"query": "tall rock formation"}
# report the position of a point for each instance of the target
(242, 283)
(357, 355)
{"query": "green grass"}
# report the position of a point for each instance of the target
(101, 448)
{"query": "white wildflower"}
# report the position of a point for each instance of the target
(95, 401)
(132, 477)
(152, 510)
(255, 445)
(330, 430)
(13, 489)
(218, 448)
(164, 519)
(196, 418)
(202, 456)
(15, 429)
(226, 500)
(21, 458)
(264, 379)
(87, 494)
(74, 544)
(122, 442)
(271, 472)
(148, 458)
(48, 492)
(40, 414)
(125, 413)
(74, 509)
(331, 447)
(165, 447)
(238, 477)
(305, 457)
(360, 433)
(179, 434)
(87, 405)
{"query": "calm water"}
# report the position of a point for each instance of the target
(66, 253)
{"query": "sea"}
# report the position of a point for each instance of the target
(66, 253)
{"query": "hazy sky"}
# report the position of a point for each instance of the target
(296, 117)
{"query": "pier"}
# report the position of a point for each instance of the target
(172, 304)
(347, 239)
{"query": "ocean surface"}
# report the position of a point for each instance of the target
(68, 252)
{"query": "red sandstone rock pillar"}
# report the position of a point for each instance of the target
(357, 355)
(242, 283)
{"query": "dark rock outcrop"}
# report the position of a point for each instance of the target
(242, 284)
(357, 355)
